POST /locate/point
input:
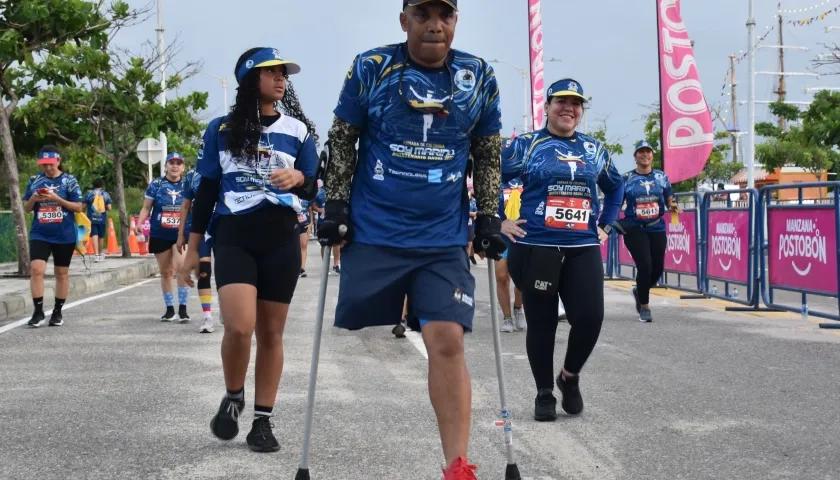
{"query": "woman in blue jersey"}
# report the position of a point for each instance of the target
(647, 193)
(162, 206)
(54, 197)
(256, 165)
(556, 250)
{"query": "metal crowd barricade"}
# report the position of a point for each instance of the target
(729, 245)
(799, 253)
(682, 254)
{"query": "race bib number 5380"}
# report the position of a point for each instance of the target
(567, 213)
(53, 214)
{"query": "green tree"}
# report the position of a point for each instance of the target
(811, 146)
(600, 134)
(30, 29)
(112, 111)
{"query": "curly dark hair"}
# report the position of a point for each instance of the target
(244, 120)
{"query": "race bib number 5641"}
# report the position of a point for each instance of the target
(568, 213)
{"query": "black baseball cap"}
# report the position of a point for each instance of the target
(414, 3)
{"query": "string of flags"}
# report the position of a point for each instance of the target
(815, 18)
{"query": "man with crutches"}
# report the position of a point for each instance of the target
(418, 110)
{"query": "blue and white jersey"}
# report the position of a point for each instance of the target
(410, 177)
(645, 198)
(52, 223)
(303, 215)
(94, 215)
(167, 197)
(473, 209)
(245, 183)
(191, 181)
(560, 177)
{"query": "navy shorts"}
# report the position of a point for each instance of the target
(97, 230)
(375, 280)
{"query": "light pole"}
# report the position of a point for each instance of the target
(224, 81)
(751, 96)
(526, 114)
(162, 58)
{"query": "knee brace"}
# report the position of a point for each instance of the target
(205, 269)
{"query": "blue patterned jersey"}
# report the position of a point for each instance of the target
(167, 197)
(473, 209)
(245, 185)
(94, 215)
(191, 181)
(52, 223)
(560, 177)
(303, 215)
(645, 196)
(408, 186)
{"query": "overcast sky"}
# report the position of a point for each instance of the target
(608, 46)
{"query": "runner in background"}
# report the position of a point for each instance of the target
(471, 225)
(54, 197)
(97, 202)
(304, 224)
(163, 208)
(318, 205)
(509, 212)
(205, 265)
(647, 194)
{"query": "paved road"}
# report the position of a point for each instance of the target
(698, 394)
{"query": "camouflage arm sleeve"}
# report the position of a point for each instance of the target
(342, 161)
(487, 172)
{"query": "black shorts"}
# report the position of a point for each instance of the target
(98, 230)
(62, 253)
(160, 245)
(262, 249)
(471, 236)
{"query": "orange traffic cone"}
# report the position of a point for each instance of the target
(113, 249)
(90, 250)
(132, 239)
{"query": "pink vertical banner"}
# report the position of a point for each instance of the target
(681, 252)
(728, 245)
(802, 250)
(537, 62)
(687, 129)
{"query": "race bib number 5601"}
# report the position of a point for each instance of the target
(568, 213)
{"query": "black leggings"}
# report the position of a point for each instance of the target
(648, 251)
(581, 287)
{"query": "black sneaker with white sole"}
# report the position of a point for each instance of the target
(169, 316)
(225, 425)
(38, 319)
(56, 319)
(261, 439)
(569, 387)
(182, 314)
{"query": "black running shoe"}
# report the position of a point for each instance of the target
(38, 319)
(302, 273)
(645, 316)
(399, 330)
(636, 297)
(572, 401)
(261, 439)
(182, 314)
(413, 322)
(169, 316)
(225, 425)
(545, 406)
(56, 319)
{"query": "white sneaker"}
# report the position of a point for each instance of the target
(519, 316)
(206, 325)
(507, 326)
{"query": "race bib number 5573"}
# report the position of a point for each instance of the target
(568, 213)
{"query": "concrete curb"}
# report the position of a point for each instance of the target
(19, 305)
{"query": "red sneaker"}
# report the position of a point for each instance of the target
(460, 470)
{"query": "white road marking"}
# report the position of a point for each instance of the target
(416, 339)
(67, 306)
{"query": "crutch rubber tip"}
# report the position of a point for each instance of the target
(511, 472)
(303, 474)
